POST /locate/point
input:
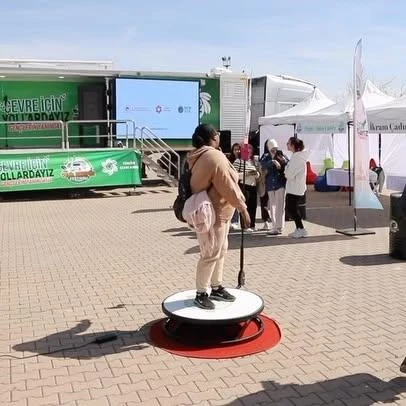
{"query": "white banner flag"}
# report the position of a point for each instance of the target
(364, 198)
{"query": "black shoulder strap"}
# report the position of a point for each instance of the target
(197, 159)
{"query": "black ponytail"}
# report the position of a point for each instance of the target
(203, 134)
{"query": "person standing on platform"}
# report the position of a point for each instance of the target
(295, 173)
(212, 172)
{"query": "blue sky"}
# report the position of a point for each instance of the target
(312, 39)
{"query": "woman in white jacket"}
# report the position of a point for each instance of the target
(295, 174)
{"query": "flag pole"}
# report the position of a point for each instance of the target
(355, 130)
(349, 161)
(363, 196)
(244, 156)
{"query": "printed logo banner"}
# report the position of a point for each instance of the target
(69, 169)
(364, 198)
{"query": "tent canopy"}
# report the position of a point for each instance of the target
(389, 117)
(316, 101)
(373, 97)
(334, 118)
(393, 110)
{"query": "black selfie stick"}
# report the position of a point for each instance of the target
(241, 273)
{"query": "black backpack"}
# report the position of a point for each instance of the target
(184, 192)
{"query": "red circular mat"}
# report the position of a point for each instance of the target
(268, 339)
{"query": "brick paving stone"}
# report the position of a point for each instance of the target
(96, 393)
(186, 388)
(63, 263)
(79, 386)
(160, 393)
(134, 387)
(83, 395)
(125, 399)
(66, 388)
(22, 402)
(218, 384)
(181, 399)
(46, 400)
(5, 396)
(102, 401)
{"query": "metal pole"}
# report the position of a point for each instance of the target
(5, 99)
(354, 135)
(108, 109)
(62, 134)
(349, 161)
(6, 133)
(67, 134)
(241, 272)
(379, 148)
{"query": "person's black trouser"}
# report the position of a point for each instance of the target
(292, 207)
(251, 202)
(264, 207)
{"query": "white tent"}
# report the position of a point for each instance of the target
(389, 120)
(334, 118)
(316, 101)
(372, 96)
(273, 126)
(393, 110)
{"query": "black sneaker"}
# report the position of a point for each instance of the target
(202, 300)
(222, 295)
(403, 366)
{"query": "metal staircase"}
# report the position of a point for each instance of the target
(160, 157)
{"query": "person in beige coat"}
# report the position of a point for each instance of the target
(212, 171)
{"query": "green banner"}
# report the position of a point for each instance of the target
(210, 102)
(44, 103)
(36, 101)
(69, 169)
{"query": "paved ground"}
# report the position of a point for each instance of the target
(66, 263)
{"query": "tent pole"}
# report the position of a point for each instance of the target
(349, 162)
(379, 149)
(294, 130)
(353, 152)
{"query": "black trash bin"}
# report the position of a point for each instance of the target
(397, 225)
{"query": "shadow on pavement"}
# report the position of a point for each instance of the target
(358, 389)
(256, 240)
(332, 210)
(72, 343)
(177, 229)
(60, 194)
(143, 211)
(370, 260)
